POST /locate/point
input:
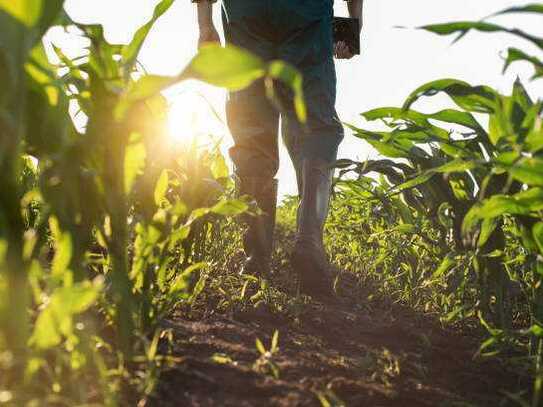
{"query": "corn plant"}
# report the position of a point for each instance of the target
(102, 230)
(480, 186)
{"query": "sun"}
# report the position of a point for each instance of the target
(192, 115)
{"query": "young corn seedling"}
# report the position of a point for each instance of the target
(266, 364)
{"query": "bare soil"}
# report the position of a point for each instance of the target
(351, 354)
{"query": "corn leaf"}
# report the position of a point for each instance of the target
(522, 203)
(27, 12)
(161, 188)
(448, 263)
(290, 76)
(487, 228)
(463, 27)
(130, 52)
(260, 346)
(134, 163)
(230, 207)
(528, 171)
(529, 8)
(537, 232)
(55, 321)
(516, 55)
(229, 67)
(479, 99)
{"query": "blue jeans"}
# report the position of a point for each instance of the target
(298, 32)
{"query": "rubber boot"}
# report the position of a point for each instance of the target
(258, 237)
(309, 258)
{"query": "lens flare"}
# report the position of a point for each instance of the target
(185, 118)
(191, 116)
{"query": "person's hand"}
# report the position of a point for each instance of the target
(342, 50)
(208, 34)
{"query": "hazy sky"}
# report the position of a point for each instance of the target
(393, 62)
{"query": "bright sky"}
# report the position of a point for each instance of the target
(393, 62)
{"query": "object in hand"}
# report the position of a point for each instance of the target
(348, 31)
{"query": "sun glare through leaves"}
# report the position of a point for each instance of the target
(192, 116)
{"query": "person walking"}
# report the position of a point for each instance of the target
(299, 32)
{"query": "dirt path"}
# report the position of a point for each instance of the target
(344, 354)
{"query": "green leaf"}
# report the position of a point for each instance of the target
(388, 150)
(507, 159)
(161, 187)
(145, 88)
(198, 213)
(184, 283)
(275, 341)
(521, 99)
(462, 28)
(134, 163)
(528, 171)
(396, 113)
(537, 232)
(534, 139)
(536, 330)
(480, 99)
(448, 263)
(63, 250)
(502, 204)
(405, 228)
(228, 67)
(529, 8)
(290, 76)
(457, 117)
(487, 228)
(27, 12)
(455, 166)
(230, 208)
(3, 251)
(516, 55)
(55, 321)
(153, 346)
(221, 358)
(130, 52)
(260, 346)
(198, 288)
(414, 182)
(22, 24)
(522, 203)
(48, 125)
(63, 255)
(219, 169)
(46, 333)
(532, 198)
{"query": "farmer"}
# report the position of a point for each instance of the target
(298, 32)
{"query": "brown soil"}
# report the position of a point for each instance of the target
(350, 354)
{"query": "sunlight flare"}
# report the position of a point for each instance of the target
(191, 116)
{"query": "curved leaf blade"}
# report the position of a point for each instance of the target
(130, 52)
(480, 99)
(228, 67)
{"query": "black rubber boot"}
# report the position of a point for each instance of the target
(258, 237)
(309, 258)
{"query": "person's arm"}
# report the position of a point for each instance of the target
(208, 32)
(356, 10)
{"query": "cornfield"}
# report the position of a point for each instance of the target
(105, 230)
